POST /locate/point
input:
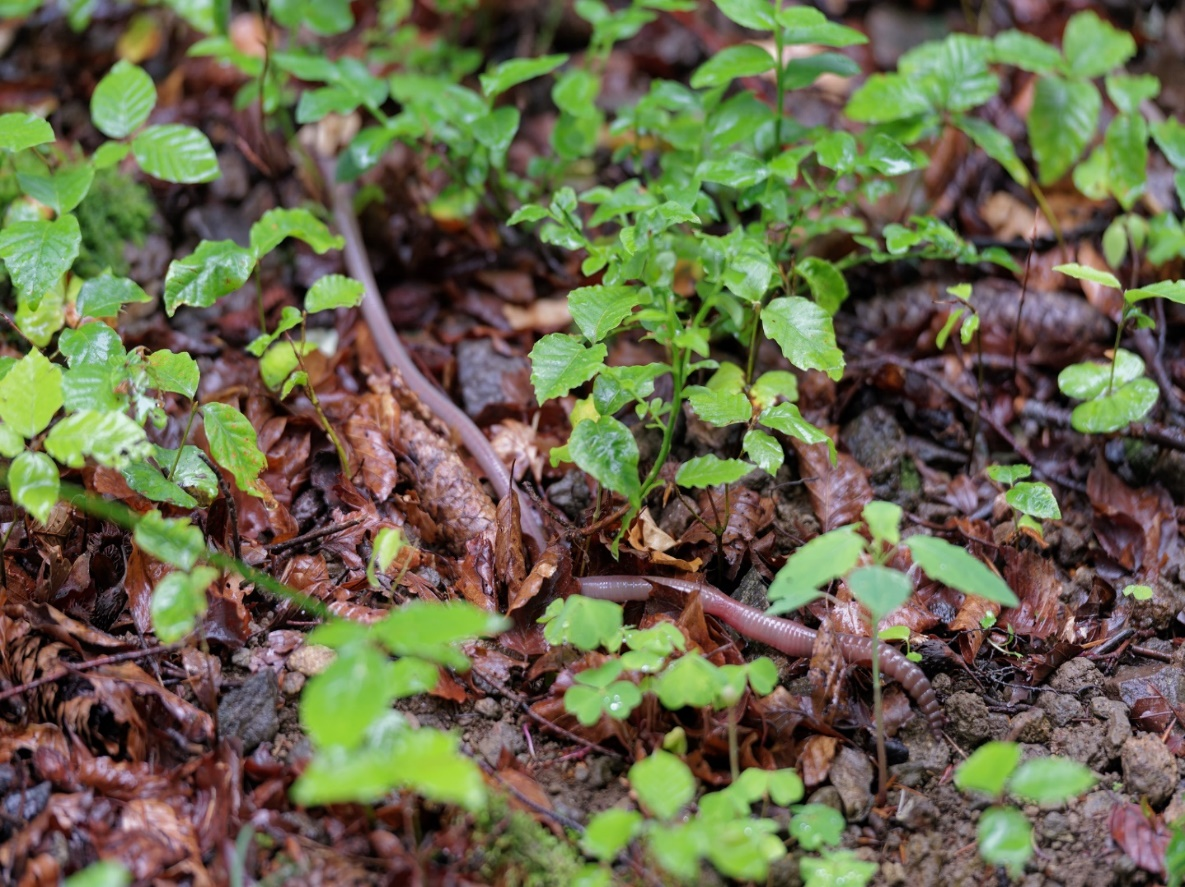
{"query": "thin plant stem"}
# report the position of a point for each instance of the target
(184, 437)
(878, 713)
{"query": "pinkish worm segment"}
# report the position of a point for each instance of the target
(786, 635)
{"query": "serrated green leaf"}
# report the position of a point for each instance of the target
(214, 269)
(1008, 474)
(92, 343)
(606, 449)
(1093, 47)
(234, 446)
(887, 97)
(719, 408)
(1034, 499)
(815, 564)
(176, 153)
(826, 282)
(147, 480)
(1126, 143)
(34, 483)
(61, 190)
(172, 541)
(786, 418)
(333, 291)
(173, 372)
(1025, 51)
(804, 332)
(190, 472)
(735, 170)
(600, 310)
(111, 439)
(276, 225)
(1062, 122)
(954, 567)
(37, 254)
(290, 318)
(764, 450)
(30, 394)
(178, 601)
(710, 471)
(435, 632)
(560, 363)
(19, 131)
(122, 100)
(996, 145)
(105, 295)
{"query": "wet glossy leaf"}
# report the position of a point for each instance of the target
(19, 131)
(1062, 122)
(435, 632)
(214, 269)
(560, 363)
(172, 541)
(710, 470)
(105, 295)
(818, 562)
(173, 372)
(61, 190)
(176, 153)
(786, 418)
(954, 567)
(689, 681)
(122, 100)
(827, 284)
(30, 394)
(588, 704)
(840, 868)
(815, 826)
(37, 254)
(110, 438)
(234, 446)
(804, 332)
(34, 483)
(584, 623)
(1173, 290)
(1035, 500)
(276, 225)
(1008, 474)
(148, 480)
(764, 450)
(606, 449)
(600, 310)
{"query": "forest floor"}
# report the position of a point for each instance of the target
(177, 761)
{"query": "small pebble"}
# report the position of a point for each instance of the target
(241, 657)
(292, 682)
(310, 659)
(488, 707)
(581, 772)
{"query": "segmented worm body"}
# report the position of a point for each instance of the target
(790, 637)
(786, 635)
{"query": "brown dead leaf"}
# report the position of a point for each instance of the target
(1138, 528)
(372, 455)
(1142, 837)
(545, 568)
(1036, 583)
(838, 493)
(815, 759)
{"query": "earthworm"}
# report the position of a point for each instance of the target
(790, 637)
(786, 635)
(396, 356)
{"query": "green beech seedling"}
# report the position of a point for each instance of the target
(1004, 835)
(1033, 501)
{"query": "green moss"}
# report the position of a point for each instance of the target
(516, 851)
(118, 210)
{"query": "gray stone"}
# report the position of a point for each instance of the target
(1061, 707)
(1077, 676)
(851, 776)
(249, 711)
(1149, 769)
